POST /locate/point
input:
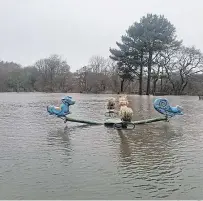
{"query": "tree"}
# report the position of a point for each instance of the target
(6, 68)
(155, 77)
(125, 73)
(52, 70)
(112, 70)
(157, 33)
(30, 76)
(98, 64)
(185, 63)
(126, 62)
(162, 61)
(15, 80)
(142, 43)
(82, 78)
(130, 55)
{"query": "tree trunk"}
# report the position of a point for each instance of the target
(155, 80)
(149, 72)
(162, 80)
(85, 76)
(154, 87)
(52, 80)
(183, 87)
(141, 75)
(122, 84)
(170, 80)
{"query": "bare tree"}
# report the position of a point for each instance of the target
(113, 75)
(186, 62)
(52, 69)
(98, 64)
(82, 78)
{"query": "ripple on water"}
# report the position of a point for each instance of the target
(41, 158)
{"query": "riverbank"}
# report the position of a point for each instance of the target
(107, 92)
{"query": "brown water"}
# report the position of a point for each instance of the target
(42, 158)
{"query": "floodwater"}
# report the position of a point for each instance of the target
(43, 158)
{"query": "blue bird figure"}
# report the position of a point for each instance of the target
(162, 106)
(63, 109)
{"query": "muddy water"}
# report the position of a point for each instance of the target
(43, 158)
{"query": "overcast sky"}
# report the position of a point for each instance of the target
(78, 29)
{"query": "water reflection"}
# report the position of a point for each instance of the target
(125, 149)
(151, 142)
(142, 106)
(63, 136)
(146, 156)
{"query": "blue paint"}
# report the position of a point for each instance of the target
(162, 106)
(63, 110)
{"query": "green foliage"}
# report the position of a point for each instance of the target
(141, 44)
(157, 33)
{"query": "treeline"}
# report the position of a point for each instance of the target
(150, 49)
(149, 60)
(49, 74)
(53, 74)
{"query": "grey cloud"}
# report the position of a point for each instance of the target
(78, 29)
